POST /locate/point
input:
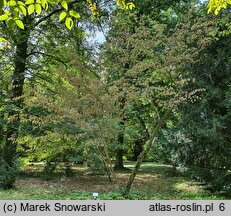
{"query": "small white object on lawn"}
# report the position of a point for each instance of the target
(95, 195)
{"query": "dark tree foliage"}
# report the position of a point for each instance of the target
(199, 136)
(208, 122)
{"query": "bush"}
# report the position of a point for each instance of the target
(221, 182)
(199, 174)
(48, 171)
(8, 173)
(95, 164)
(68, 171)
(218, 180)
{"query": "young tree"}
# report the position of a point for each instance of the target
(78, 114)
(151, 64)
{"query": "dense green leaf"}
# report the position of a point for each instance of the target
(62, 15)
(2, 39)
(19, 24)
(28, 2)
(16, 11)
(38, 8)
(23, 10)
(64, 5)
(44, 4)
(31, 9)
(74, 14)
(69, 23)
(3, 17)
(12, 3)
(20, 3)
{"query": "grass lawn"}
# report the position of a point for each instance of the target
(152, 183)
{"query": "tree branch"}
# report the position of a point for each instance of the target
(48, 55)
(70, 5)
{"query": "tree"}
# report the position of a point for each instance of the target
(23, 54)
(76, 114)
(207, 122)
(172, 55)
(118, 62)
(143, 63)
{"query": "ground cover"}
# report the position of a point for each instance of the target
(153, 182)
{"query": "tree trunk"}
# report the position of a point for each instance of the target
(119, 154)
(138, 147)
(119, 160)
(144, 153)
(8, 153)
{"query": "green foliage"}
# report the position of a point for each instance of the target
(16, 11)
(160, 57)
(8, 173)
(49, 169)
(218, 5)
(19, 24)
(200, 135)
(74, 122)
(94, 162)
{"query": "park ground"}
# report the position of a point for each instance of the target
(153, 182)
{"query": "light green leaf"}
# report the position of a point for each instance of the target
(53, 1)
(10, 21)
(74, 14)
(20, 3)
(44, 4)
(38, 1)
(121, 3)
(16, 11)
(69, 23)
(224, 5)
(2, 39)
(130, 6)
(23, 10)
(62, 15)
(12, 3)
(64, 5)
(228, 1)
(38, 8)
(28, 2)
(3, 17)
(30, 9)
(19, 24)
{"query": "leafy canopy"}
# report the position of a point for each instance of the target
(12, 11)
(217, 5)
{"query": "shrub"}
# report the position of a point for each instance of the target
(8, 173)
(48, 171)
